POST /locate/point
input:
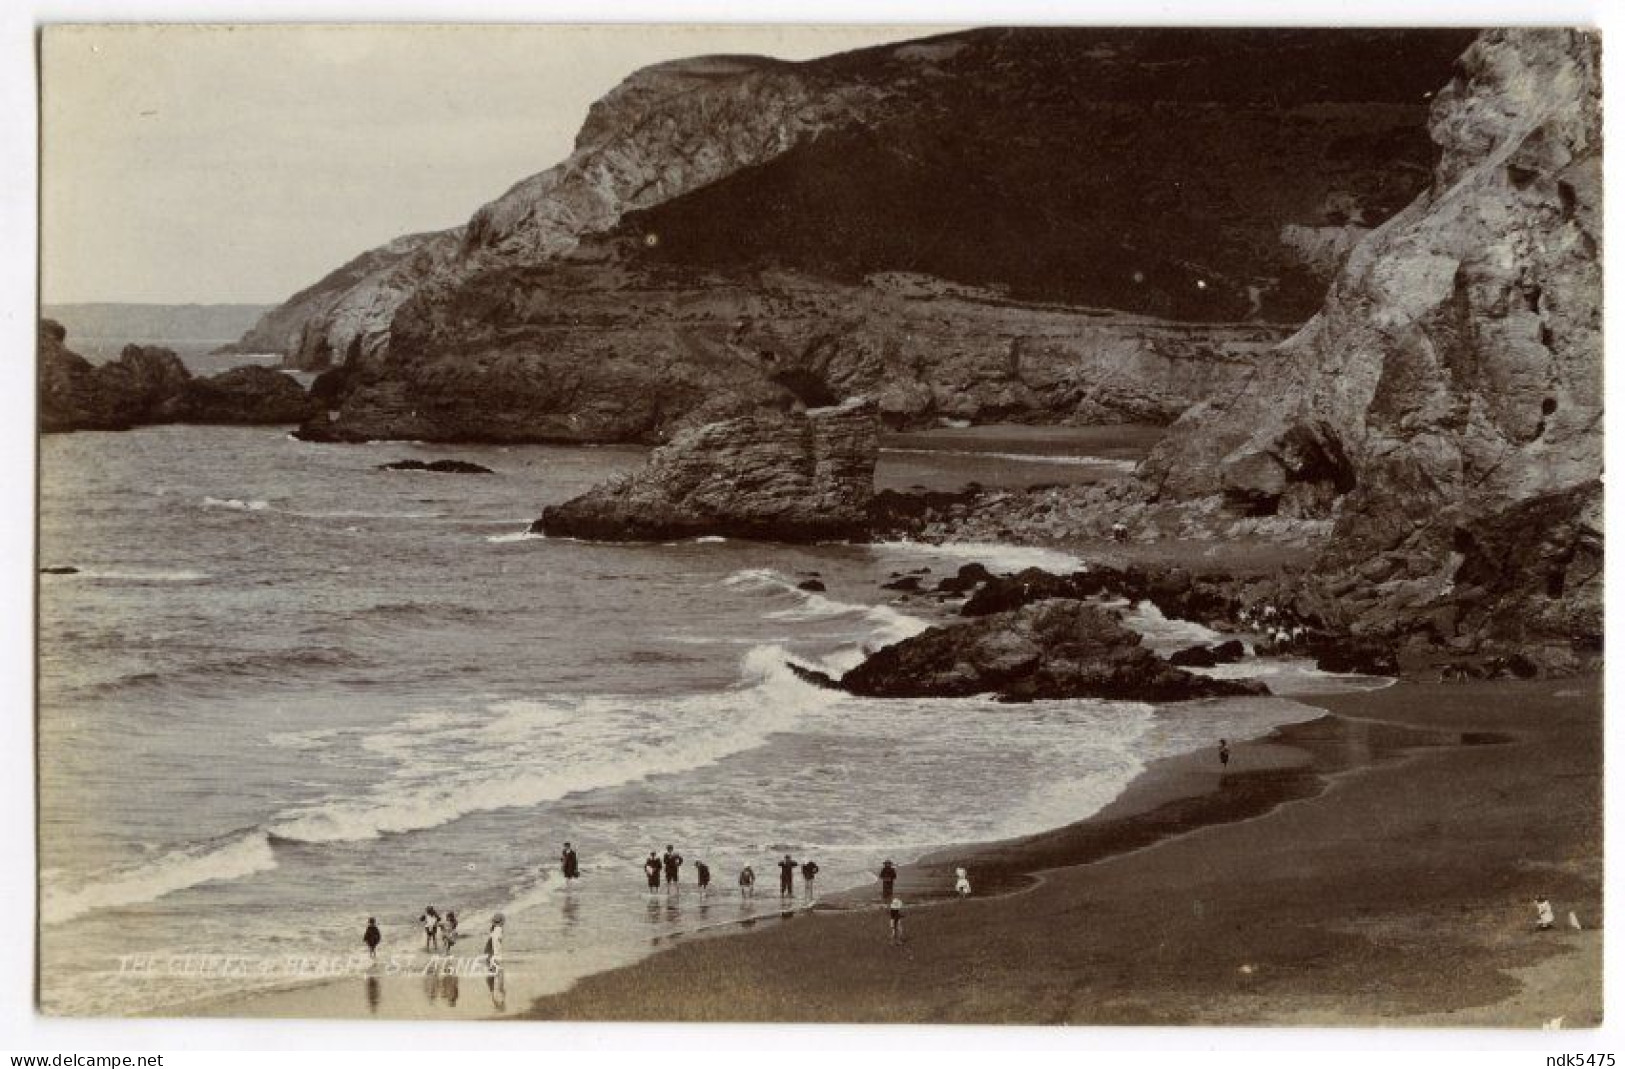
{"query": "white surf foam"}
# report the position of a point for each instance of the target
(993, 555)
(135, 575)
(242, 856)
(524, 753)
(516, 536)
(886, 625)
(236, 504)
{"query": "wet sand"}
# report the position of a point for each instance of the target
(1372, 867)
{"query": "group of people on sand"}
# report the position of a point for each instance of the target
(667, 870)
(1284, 631)
(440, 934)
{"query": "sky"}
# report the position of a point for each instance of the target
(185, 164)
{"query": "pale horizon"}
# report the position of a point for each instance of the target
(239, 164)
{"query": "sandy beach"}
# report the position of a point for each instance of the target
(1375, 867)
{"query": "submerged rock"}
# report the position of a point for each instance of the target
(796, 477)
(1050, 649)
(449, 467)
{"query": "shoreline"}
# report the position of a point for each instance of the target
(1168, 796)
(1420, 911)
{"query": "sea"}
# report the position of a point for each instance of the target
(287, 691)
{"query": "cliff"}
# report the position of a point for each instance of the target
(793, 477)
(719, 208)
(1452, 378)
(325, 319)
(148, 384)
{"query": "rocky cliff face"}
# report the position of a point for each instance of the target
(636, 354)
(320, 325)
(1149, 172)
(1453, 376)
(796, 477)
(147, 384)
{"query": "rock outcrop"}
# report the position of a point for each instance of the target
(444, 467)
(913, 222)
(147, 384)
(1453, 379)
(1049, 649)
(792, 477)
(252, 394)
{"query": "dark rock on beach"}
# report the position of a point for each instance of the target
(1050, 649)
(812, 586)
(792, 477)
(62, 569)
(448, 467)
(1194, 657)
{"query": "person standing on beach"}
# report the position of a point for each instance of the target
(493, 944)
(1544, 919)
(702, 872)
(673, 864)
(431, 929)
(896, 911)
(808, 870)
(651, 869)
(961, 883)
(1224, 754)
(747, 883)
(888, 880)
(569, 864)
(787, 876)
(372, 937)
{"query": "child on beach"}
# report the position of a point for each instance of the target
(1224, 753)
(896, 912)
(1544, 918)
(431, 929)
(888, 879)
(808, 871)
(372, 938)
(703, 872)
(962, 883)
(651, 869)
(448, 932)
(747, 882)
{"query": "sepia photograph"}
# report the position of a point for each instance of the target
(823, 524)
